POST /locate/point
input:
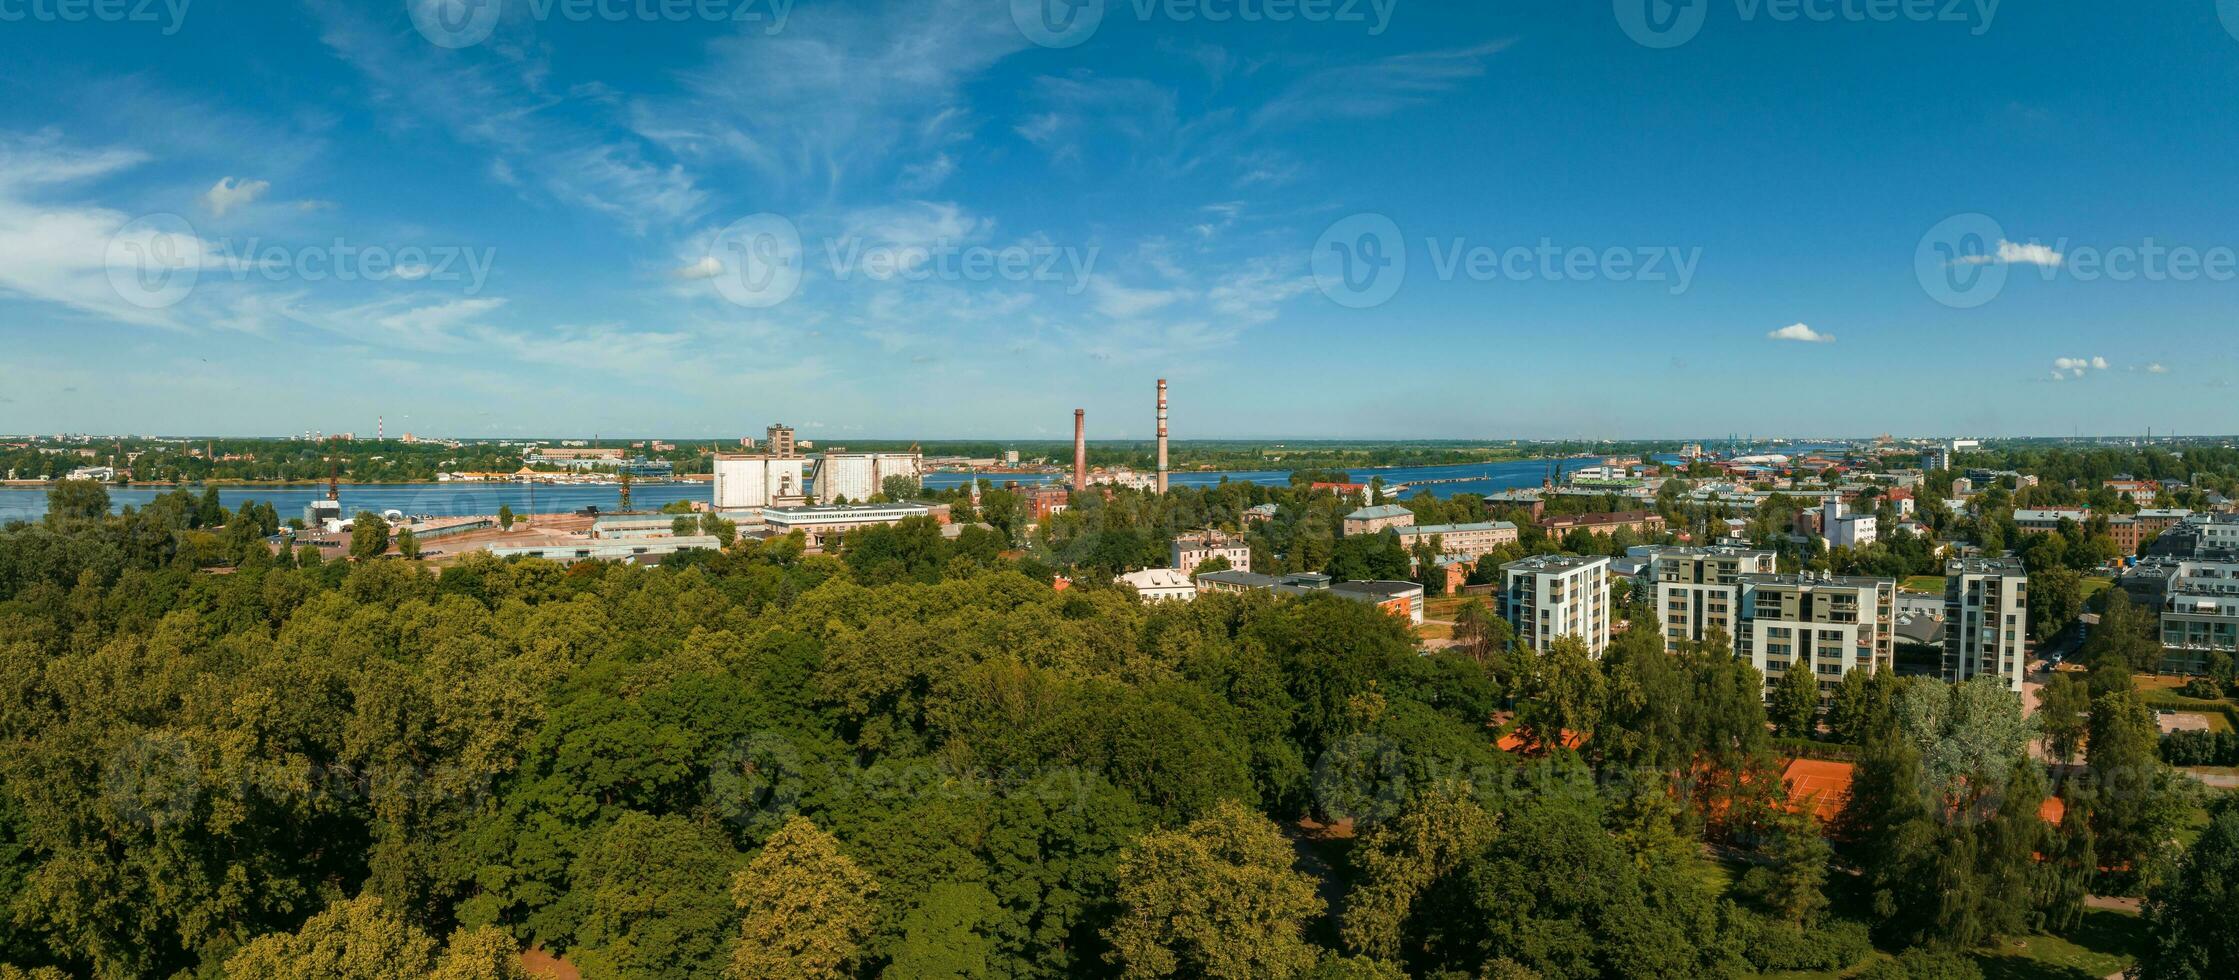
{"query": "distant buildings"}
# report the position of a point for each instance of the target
(1046, 501)
(1369, 520)
(1699, 589)
(1646, 523)
(2140, 492)
(1401, 599)
(2194, 594)
(1548, 596)
(1196, 548)
(1259, 513)
(1822, 623)
(1986, 620)
(2132, 531)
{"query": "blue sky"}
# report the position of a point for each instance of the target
(533, 225)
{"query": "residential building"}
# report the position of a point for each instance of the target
(823, 526)
(1402, 599)
(1844, 529)
(1646, 523)
(2197, 603)
(1049, 500)
(2039, 520)
(1986, 620)
(1197, 548)
(1822, 623)
(1369, 520)
(1465, 541)
(2140, 492)
(1259, 513)
(781, 442)
(2132, 531)
(1161, 584)
(1699, 589)
(1548, 596)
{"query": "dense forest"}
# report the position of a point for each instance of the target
(918, 758)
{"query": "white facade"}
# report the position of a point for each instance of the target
(1986, 620)
(1699, 589)
(758, 481)
(1161, 585)
(1846, 530)
(857, 476)
(1550, 596)
(1823, 624)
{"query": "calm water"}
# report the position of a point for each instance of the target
(448, 499)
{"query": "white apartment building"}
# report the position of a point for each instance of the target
(1821, 623)
(1986, 620)
(2197, 600)
(1699, 589)
(1846, 530)
(1549, 596)
(744, 481)
(1161, 584)
(1464, 541)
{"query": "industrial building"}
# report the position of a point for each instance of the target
(856, 477)
(823, 526)
(1548, 596)
(760, 480)
(1986, 620)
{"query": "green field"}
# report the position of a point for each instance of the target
(1933, 584)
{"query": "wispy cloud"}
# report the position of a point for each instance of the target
(1377, 88)
(233, 192)
(2012, 253)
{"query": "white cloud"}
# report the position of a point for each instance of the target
(2011, 253)
(2064, 368)
(1117, 301)
(1801, 332)
(708, 267)
(2157, 368)
(233, 192)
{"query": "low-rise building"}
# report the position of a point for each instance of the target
(1161, 584)
(1548, 596)
(1986, 620)
(1465, 541)
(2140, 492)
(823, 526)
(2196, 601)
(1822, 623)
(1401, 599)
(1194, 549)
(2132, 531)
(1646, 523)
(1259, 513)
(1369, 520)
(1844, 529)
(2037, 520)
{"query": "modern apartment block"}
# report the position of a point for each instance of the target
(1822, 623)
(1548, 596)
(2196, 601)
(1986, 620)
(1699, 589)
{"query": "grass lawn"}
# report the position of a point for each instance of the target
(1923, 583)
(2106, 943)
(2094, 586)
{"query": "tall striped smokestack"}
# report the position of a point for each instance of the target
(1162, 435)
(1080, 449)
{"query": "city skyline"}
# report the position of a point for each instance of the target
(1382, 221)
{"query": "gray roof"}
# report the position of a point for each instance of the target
(1379, 511)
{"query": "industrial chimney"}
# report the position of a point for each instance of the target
(1162, 435)
(1080, 449)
